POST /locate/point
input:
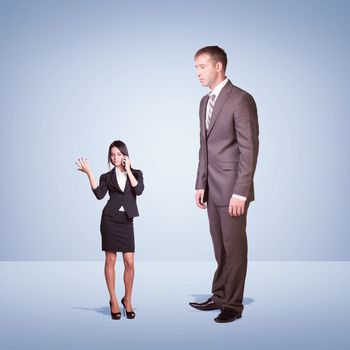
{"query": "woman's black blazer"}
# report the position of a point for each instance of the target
(118, 198)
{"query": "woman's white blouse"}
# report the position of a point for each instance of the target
(121, 179)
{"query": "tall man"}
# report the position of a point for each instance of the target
(227, 159)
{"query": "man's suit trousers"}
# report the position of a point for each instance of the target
(229, 238)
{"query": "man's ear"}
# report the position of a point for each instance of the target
(218, 66)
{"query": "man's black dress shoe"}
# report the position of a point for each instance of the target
(227, 315)
(206, 306)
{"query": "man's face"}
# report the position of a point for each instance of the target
(207, 70)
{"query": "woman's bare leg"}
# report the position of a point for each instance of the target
(129, 272)
(110, 279)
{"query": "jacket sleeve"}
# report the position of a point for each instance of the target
(247, 133)
(138, 189)
(201, 179)
(101, 190)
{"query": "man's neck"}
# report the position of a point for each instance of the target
(217, 82)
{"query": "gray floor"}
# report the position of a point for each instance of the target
(63, 305)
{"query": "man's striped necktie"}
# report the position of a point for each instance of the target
(211, 104)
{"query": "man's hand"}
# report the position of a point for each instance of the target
(199, 199)
(236, 207)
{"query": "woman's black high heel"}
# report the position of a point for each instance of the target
(130, 314)
(115, 315)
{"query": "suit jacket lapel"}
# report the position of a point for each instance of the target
(113, 179)
(220, 101)
(203, 113)
(127, 184)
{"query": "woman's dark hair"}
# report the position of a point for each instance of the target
(122, 148)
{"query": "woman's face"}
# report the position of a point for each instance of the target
(116, 156)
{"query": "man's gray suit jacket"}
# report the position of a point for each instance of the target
(229, 149)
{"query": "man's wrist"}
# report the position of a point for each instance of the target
(237, 196)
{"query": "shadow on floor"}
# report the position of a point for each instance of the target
(104, 310)
(101, 310)
(199, 298)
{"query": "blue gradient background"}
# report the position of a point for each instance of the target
(76, 75)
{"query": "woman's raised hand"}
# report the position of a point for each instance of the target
(126, 162)
(83, 165)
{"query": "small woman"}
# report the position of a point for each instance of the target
(123, 184)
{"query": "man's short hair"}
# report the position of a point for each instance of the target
(216, 53)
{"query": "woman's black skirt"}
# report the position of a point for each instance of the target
(117, 233)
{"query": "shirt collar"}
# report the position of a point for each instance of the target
(218, 88)
(117, 171)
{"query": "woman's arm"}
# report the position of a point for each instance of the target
(127, 165)
(136, 184)
(132, 178)
(85, 168)
(99, 191)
